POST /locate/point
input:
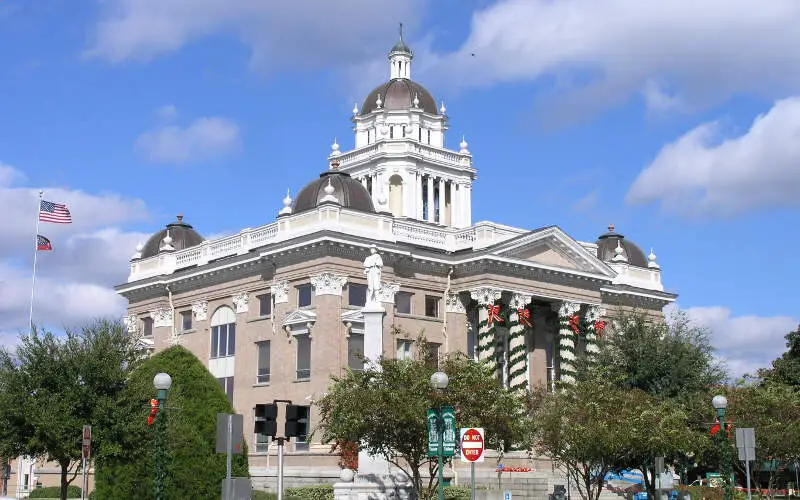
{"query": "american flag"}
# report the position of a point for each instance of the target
(54, 212)
(43, 243)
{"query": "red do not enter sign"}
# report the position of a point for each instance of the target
(472, 444)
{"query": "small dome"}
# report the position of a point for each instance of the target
(401, 46)
(398, 95)
(182, 235)
(607, 245)
(347, 191)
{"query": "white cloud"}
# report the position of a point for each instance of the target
(203, 140)
(9, 175)
(746, 343)
(301, 33)
(168, 112)
(74, 281)
(704, 172)
(603, 51)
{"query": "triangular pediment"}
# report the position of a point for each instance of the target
(353, 316)
(300, 316)
(552, 247)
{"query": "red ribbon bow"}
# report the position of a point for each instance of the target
(599, 327)
(716, 428)
(153, 411)
(494, 314)
(524, 316)
(574, 323)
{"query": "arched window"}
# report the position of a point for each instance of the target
(396, 195)
(223, 333)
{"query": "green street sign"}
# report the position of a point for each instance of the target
(449, 436)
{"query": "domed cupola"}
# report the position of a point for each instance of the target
(613, 247)
(399, 93)
(176, 236)
(334, 186)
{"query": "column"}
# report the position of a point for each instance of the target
(364, 181)
(517, 357)
(468, 205)
(593, 315)
(454, 204)
(566, 340)
(430, 199)
(442, 207)
(373, 350)
(486, 296)
(418, 196)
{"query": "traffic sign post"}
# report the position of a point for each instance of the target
(472, 447)
(86, 451)
(746, 445)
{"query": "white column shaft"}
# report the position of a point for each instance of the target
(430, 199)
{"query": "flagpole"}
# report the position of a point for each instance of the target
(35, 254)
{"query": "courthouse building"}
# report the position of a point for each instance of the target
(274, 311)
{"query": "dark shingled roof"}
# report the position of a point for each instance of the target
(607, 244)
(183, 236)
(350, 193)
(398, 95)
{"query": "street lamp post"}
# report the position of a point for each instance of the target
(439, 382)
(162, 382)
(720, 403)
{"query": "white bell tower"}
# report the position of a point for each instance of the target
(400, 154)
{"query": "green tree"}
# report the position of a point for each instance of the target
(773, 411)
(125, 463)
(592, 427)
(786, 369)
(384, 411)
(51, 386)
(671, 360)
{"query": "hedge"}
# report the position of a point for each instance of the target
(55, 492)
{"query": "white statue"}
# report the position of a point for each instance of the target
(372, 268)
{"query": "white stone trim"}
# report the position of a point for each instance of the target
(454, 303)
(241, 302)
(200, 310)
(387, 291)
(131, 323)
(280, 292)
(162, 317)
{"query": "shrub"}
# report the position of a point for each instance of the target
(321, 492)
(125, 460)
(263, 495)
(55, 492)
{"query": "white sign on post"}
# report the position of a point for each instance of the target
(472, 444)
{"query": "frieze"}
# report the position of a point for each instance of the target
(161, 317)
(328, 283)
(241, 302)
(200, 310)
(280, 292)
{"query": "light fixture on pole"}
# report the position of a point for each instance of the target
(162, 382)
(720, 404)
(439, 381)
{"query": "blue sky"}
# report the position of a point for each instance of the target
(679, 123)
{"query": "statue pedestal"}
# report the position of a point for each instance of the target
(374, 480)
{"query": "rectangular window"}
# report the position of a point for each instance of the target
(186, 320)
(227, 386)
(405, 349)
(147, 327)
(300, 443)
(303, 295)
(223, 340)
(431, 306)
(402, 302)
(303, 356)
(355, 352)
(262, 371)
(262, 443)
(433, 354)
(264, 304)
(356, 294)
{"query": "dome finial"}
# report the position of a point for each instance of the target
(463, 146)
(401, 32)
(652, 264)
(611, 228)
(355, 108)
(378, 102)
(335, 148)
(443, 110)
(287, 204)
(329, 190)
(619, 253)
(138, 254)
(334, 165)
(167, 243)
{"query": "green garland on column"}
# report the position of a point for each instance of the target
(519, 321)
(569, 326)
(487, 335)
